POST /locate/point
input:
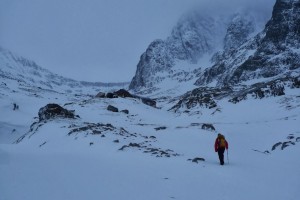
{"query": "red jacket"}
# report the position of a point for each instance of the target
(217, 144)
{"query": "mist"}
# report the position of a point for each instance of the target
(100, 40)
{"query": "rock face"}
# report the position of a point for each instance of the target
(274, 51)
(238, 31)
(192, 37)
(51, 111)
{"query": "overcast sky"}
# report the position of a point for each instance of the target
(96, 40)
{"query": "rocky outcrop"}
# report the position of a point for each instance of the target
(122, 93)
(201, 97)
(51, 111)
(291, 140)
(261, 90)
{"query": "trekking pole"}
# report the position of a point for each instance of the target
(227, 157)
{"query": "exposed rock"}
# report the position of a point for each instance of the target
(123, 93)
(286, 144)
(51, 111)
(276, 145)
(197, 160)
(16, 107)
(111, 95)
(208, 127)
(149, 102)
(203, 97)
(238, 31)
(112, 108)
(160, 128)
(263, 90)
(125, 111)
(296, 82)
(290, 137)
(149, 149)
(100, 129)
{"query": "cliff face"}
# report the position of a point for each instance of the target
(275, 51)
(193, 36)
(238, 52)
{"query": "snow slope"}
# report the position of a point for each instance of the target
(50, 163)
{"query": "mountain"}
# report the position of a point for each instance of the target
(223, 51)
(26, 72)
(190, 48)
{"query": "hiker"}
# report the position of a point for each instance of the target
(220, 145)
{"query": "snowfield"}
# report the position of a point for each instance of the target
(49, 163)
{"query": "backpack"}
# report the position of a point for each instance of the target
(222, 142)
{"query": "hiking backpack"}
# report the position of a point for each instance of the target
(222, 142)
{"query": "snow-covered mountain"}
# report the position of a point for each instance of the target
(223, 51)
(188, 51)
(27, 73)
(195, 36)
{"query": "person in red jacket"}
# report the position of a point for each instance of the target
(220, 146)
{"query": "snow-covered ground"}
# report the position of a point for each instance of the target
(51, 164)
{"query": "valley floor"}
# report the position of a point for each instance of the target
(50, 164)
(78, 171)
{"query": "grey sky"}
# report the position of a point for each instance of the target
(96, 40)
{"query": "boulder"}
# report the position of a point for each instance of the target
(125, 111)
(112, 108)
(208, 127)
(149, 102)
(123, 93)
(51, 111)
(197, 160)
(111, 95)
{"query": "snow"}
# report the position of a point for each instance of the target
(68, 167)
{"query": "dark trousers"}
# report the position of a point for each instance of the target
(221, 155)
